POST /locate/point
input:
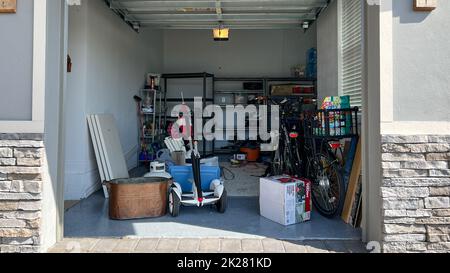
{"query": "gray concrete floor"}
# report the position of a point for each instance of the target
(89, 218)
(205, 245)
(246, 179)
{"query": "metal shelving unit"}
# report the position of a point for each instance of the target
(177, 76)
(237, 92)
(266, 83)
(242, 91)
(153, 117)
(309, 81)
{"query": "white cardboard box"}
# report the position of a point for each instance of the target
(285, 203)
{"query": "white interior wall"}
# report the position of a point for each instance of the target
(110, 62)
(248, 53)
(327, 52)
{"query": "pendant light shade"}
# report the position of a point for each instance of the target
(221, 34)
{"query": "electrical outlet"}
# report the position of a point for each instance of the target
(8, 6)
(425, 5)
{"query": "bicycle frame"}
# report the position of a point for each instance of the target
(287, 159)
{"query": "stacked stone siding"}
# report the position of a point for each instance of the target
(416, 193)
(20, 192)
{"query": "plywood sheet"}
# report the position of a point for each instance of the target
(112, 148)
(100, 149)
(101, 163)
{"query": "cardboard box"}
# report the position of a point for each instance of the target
(282, 90)
(285, 200)
(291, 89)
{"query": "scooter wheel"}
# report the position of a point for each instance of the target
(174, 203)
(222, 204)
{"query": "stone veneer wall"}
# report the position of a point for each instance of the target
(416, 193)
(20, 192)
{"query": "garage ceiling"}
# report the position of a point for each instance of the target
(207, 14)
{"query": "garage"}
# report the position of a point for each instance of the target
(132, 62)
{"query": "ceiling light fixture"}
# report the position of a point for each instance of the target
(221, 33)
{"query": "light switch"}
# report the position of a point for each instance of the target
(8, 6)
(425, 5)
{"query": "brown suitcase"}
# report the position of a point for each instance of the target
(137, 198)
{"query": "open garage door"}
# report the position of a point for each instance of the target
(206, 14)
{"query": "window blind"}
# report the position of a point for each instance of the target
(352, 52)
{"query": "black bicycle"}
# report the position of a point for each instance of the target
(287, 158)
(323, 131)
(309, 143)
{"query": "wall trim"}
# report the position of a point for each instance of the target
(21, 127)
(415, 128)
(386, 62)
(39, 59)
(92, 189)
(62, 132)
(36, 125)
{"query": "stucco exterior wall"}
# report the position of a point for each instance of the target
(28, 155)
(415, 143)
(421, 62)
(16, 53)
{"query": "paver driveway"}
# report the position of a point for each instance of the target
(212, 245)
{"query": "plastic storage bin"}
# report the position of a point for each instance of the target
(311, 56)
(334, 123)
(183, 174)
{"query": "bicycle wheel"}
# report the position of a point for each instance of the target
(328, 189)
(276, 165)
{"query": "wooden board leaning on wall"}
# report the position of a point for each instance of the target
(353, 186)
